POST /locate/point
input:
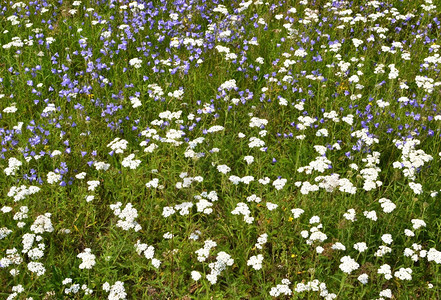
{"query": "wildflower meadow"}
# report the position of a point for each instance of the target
(208, 149)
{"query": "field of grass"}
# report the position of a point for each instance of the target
(207, 149)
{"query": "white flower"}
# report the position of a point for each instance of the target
(156, 262)
(350, 215)
(223, 169)
(314, 220)
(135, 62)
(404, 274)
(387, 238)
(382, 250)
(271, 206)
(372, 215)
(386, 293)
(297, 212)
(42, 224)
(279, 183)
(88, 259)
(116, 291)
(387, 205)
(53, 177)
(348, 264)
(417, 223)
(261, 240)
(385, 269)
(37, 268)
(168, 235)
(409, 233)
(81, 175)
(92, 185)
(338, 246)
(100, 165)
(249, 159)
(363, 278)
(195, 275)
(361, 247)
(255, 262)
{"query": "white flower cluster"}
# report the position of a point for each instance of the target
(20, 193)
(236, 179)
(187, 180)
(130, 162)
(404, 274)
(411, 159)
(281, 289)
(36, 268)
(387, 293)
(75, 287)
(320, 164)
(228, 85)
(387, 205)
(4, 232)
(371, 172)
(203, 205)
(333, 181)
(155, 91)
(205, 251)
(249, 159)
(393, 71)
(223, 260)
(261, 240)
(135, 62)
(306, 187)
(412, 253)
(16, 289)
(12, 257)
(42, 224)
(315, 286)
(195, 275)
(126, 216)
(350, 215)
(88, 259)
(256, 122)
(348, 264)
(116, 291)
(13, 166)
(314, 233)
(148, 251)
(254, 198)
(279, 183)
(255, 261)
(135, 102)
(242, 209)
(53, 177)
(360, 247)
(256, 143)
(100, 165)
(92, 184)
(28, 241)
(434, 255)
(426, 83)
(338, 246)
(118, 145)
(297, 212)
(365, 137)
(417, 223)
(382, 251)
